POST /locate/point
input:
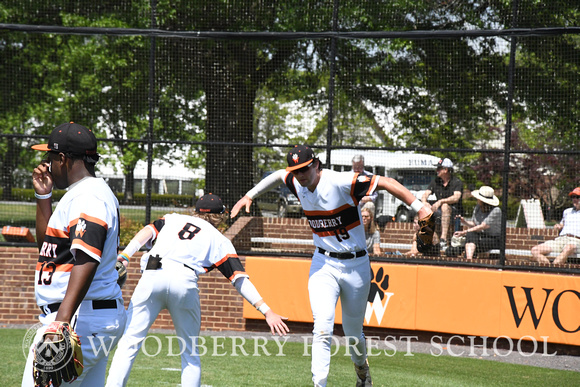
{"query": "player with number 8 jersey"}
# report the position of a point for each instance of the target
(186, 246)
(340, 265)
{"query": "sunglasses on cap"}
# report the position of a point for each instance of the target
(303, 169)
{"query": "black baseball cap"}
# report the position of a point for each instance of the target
(70, 138)
(298, 157)
(210, 204)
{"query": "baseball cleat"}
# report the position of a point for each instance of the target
(363, 375)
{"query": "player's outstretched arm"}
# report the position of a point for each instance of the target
(247, 289)
(402, 193)
(142, 237)
(246, 202)
(276, 323)
(269, 182)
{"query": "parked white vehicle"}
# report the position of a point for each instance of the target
(414, 170)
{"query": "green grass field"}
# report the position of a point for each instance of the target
(224, 364)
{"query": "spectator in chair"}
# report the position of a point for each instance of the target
(568, 242)
(484, 228)
(448, 190)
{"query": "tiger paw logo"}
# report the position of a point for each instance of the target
(81, 228)
(378, 296)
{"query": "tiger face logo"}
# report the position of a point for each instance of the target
(295, 158)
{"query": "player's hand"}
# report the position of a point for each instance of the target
(424, 211)
(243, 202)
(42, 179)
(276, 323)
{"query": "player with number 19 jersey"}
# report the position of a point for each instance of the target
(332, 209)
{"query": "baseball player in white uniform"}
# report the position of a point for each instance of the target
(76, 280)
(340, 264)
(185, 247)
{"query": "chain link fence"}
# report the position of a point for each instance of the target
(188, 97)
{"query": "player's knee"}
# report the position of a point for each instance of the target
(538, 250)
(322, 333)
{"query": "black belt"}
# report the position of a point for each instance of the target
(342, 255)
(154, 263)
(97, 304)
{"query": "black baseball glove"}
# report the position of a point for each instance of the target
(58, 357)
(122, 271)
(425, 234)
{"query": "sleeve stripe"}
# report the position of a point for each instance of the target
(238, 274)
(352, 185)
(53, 232)
(91, 219)
(155, 231)
(80, 244)
(225, 259)
(374, 183)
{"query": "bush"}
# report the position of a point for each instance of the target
(129, 228)
(158, 200)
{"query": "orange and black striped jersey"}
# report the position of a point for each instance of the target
(87, 219)
(195, 243)
(332, 209)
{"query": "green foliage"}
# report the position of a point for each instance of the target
(27, 194)
(170, 200)
(129, 228)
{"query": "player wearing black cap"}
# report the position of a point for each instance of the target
(185, 247)
(340, 264)
(76, 280)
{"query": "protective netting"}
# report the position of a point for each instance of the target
(188, 97)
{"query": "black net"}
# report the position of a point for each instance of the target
(191, 97)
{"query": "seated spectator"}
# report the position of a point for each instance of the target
(372, 234)
(484, 228)
(448, 190)
(358, 166)
(568, 242)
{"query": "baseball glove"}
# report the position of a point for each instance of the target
(425, 234)
(122, 271)
(59, 357)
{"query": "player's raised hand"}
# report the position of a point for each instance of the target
(42, 179)
(276, 323)
(243, 202)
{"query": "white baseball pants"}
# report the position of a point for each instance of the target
(331, 279)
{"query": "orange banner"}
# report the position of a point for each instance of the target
(476, 302)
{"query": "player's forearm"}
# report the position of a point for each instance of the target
(80, 280)
(142, 237)
(247, 289)
(43, 213)
(398, 190)
(268, 183)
